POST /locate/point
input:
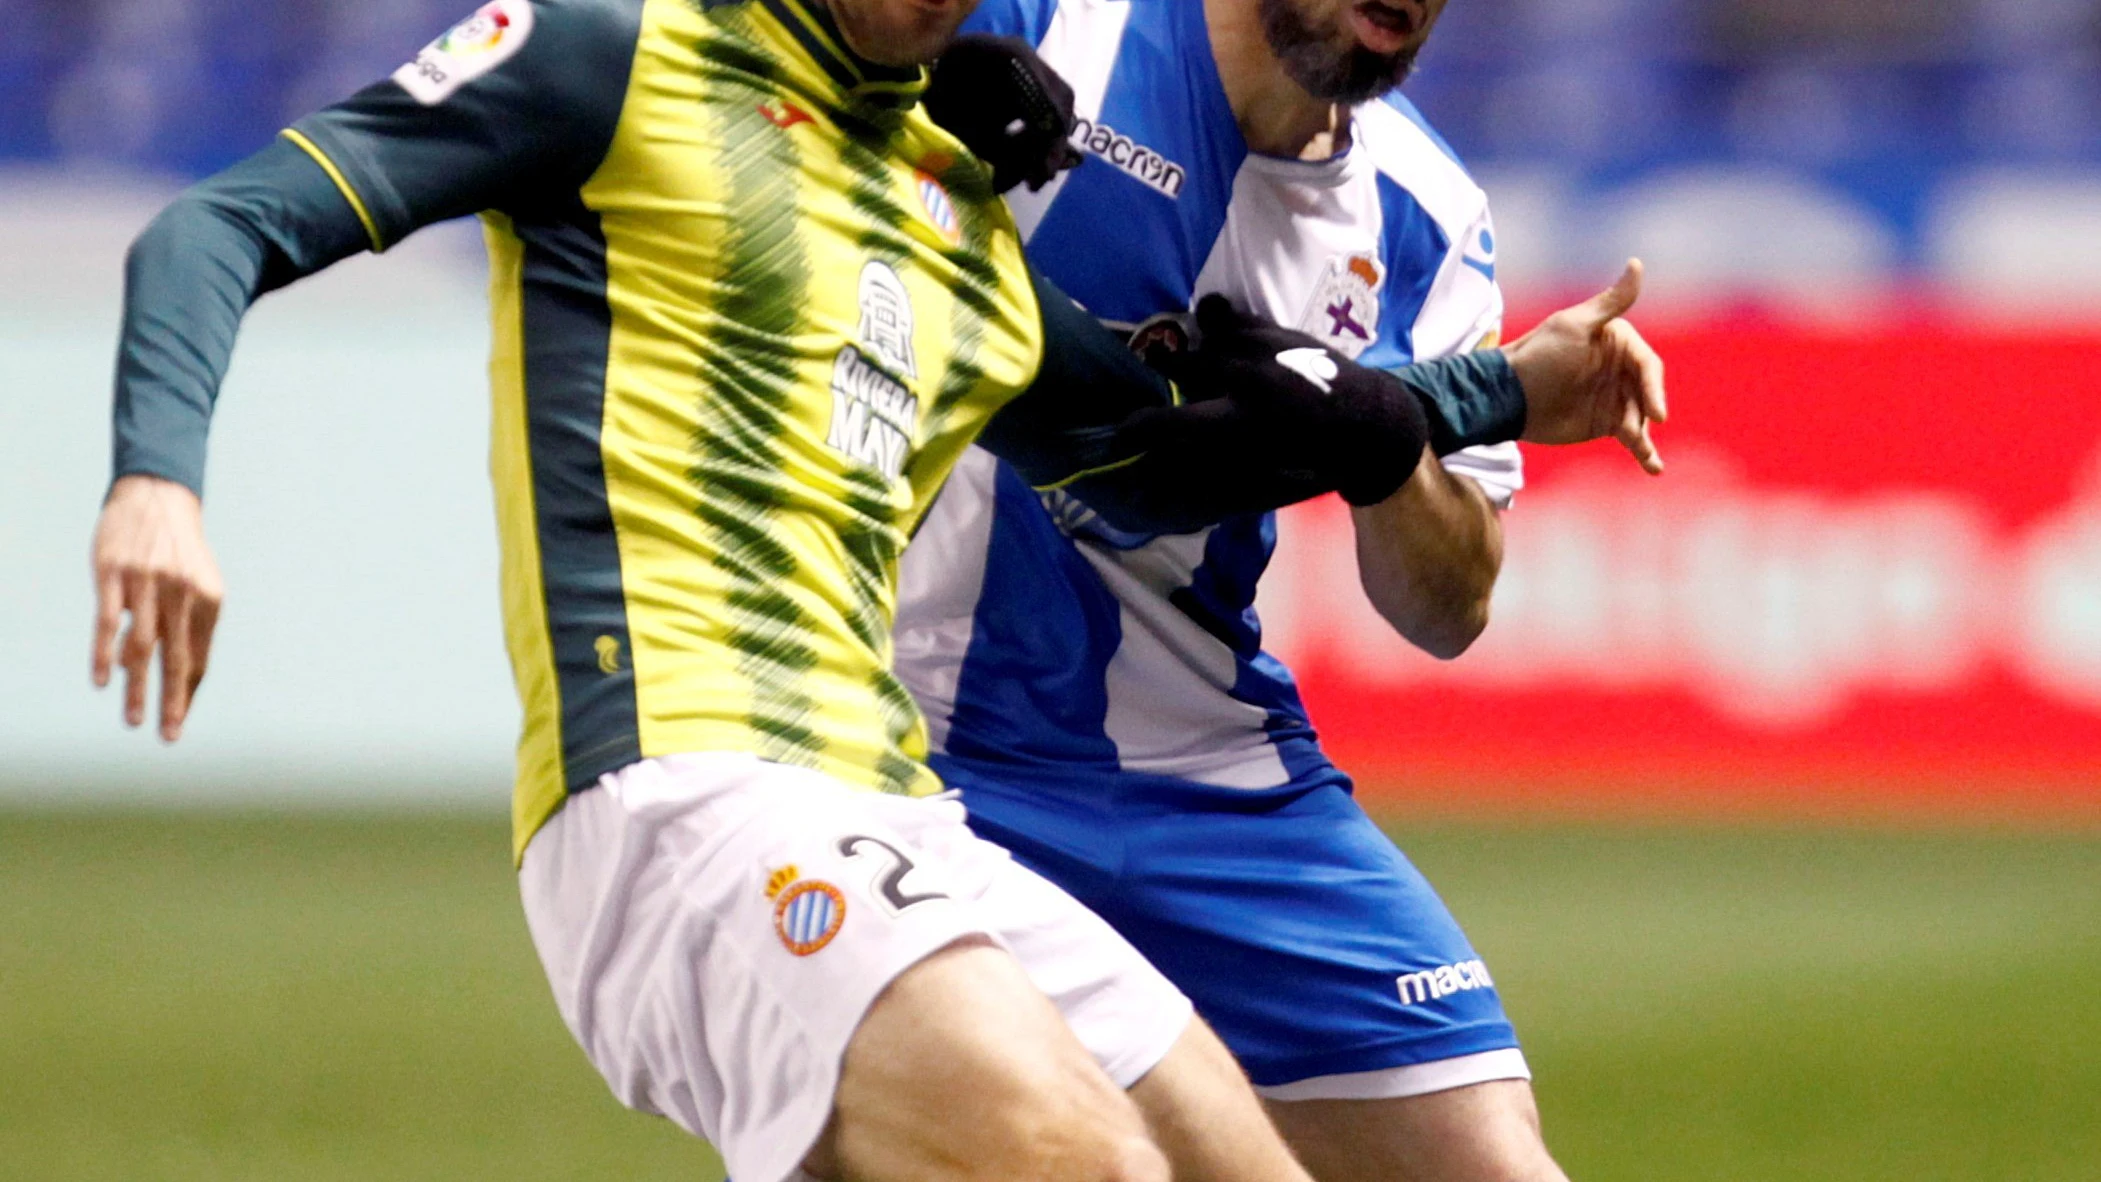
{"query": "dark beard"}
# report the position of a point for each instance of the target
(1311, 59)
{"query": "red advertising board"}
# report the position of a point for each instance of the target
(1871, 578)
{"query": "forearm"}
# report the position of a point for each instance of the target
(1428, 557)
(189, 280)
(1099, 424)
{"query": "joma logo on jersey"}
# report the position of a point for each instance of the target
(783, 114)
(1444, 980)
(874, 417)
(1149, 168)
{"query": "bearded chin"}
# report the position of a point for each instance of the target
(1310, 57)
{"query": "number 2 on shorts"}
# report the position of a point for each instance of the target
(889, 885)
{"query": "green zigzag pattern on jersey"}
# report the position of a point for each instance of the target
(752, 372)
(865, 152)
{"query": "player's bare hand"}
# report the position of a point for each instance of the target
(1588, 374)
(152, 564)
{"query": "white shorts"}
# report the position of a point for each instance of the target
(715, 926)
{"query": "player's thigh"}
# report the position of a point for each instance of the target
(728, 937)
(1485, 1132)
(964, 1070)
(1009, 1062)
(1126, 1013)
(1198, 1105)
(717, 928)
(1203, 1115)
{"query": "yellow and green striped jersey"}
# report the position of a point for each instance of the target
(749, 306)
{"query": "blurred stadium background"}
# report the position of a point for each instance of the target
(1771, 792)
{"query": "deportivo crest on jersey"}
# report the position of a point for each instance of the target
(807, 912)
(470, 49)
(1149, 168)
(1344, 310)
(1162, 338)
(1018, 605)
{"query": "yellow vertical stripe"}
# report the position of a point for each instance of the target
(751, 625)
(542, 786)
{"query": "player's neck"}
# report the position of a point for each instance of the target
(1276, 116)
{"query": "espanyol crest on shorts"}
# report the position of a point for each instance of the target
(807, 913)
(1344, 310)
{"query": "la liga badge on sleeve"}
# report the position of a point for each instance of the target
(469, 50)
(807, 912)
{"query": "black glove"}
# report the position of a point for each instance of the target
(1007, 106)
(1282, 404)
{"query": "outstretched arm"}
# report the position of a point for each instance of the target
(1588, 374)
(189, 280)
(1266, 417)
(191, 277)
(1429, 555)
(1253, 426)
(529, 117)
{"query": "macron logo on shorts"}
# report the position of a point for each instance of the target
(1445, 979)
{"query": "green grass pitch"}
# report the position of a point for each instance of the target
(321, 998)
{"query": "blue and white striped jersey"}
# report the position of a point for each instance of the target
(1034, 636)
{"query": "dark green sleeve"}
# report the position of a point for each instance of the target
(1472, 399)
(1098, 424)
(521, 137)
(188, 281)
(1071, 419)
(361, 175)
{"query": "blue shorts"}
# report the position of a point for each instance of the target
(1305, 938)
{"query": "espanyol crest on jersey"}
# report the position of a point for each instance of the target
(1344, 310)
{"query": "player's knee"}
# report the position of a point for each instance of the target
(1513, 1164)
(1512, 1147)
(1533, 1165)
(1139, 1160)
(962, 1073)
(1081, 1155)
(1084, 1137)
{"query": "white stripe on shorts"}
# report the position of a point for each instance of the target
(1416, 1079)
